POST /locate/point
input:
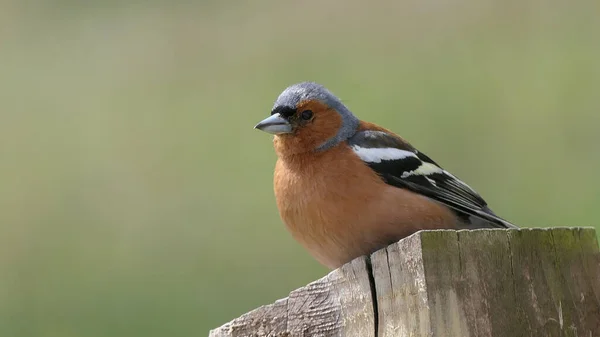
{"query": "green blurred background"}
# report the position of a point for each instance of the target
(136, 198)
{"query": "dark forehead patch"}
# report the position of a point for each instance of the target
(284, 111)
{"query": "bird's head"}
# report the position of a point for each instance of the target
(308, 117)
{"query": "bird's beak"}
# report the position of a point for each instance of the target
(274, 124)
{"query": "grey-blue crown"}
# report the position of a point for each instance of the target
(299, 92)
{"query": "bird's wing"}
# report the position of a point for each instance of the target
(401, 165)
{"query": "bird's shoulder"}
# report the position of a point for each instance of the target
(365, 128)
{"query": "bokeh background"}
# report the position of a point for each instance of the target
(136, 198)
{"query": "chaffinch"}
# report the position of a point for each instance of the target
(346, 188)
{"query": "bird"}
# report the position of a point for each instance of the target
(345, 188)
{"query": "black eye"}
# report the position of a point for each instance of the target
(307, 114)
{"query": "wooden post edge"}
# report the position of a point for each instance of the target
(484, 282)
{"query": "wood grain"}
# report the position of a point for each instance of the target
(337, 305)
(485, 282)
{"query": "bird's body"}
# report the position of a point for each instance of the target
(341, 215)
(345, 188)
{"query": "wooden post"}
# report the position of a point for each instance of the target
(495, 283)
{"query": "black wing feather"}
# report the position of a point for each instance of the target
(416, 172)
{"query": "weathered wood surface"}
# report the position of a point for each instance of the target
(497, 283)
(337, 305)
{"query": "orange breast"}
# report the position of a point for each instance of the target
(339, 209)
